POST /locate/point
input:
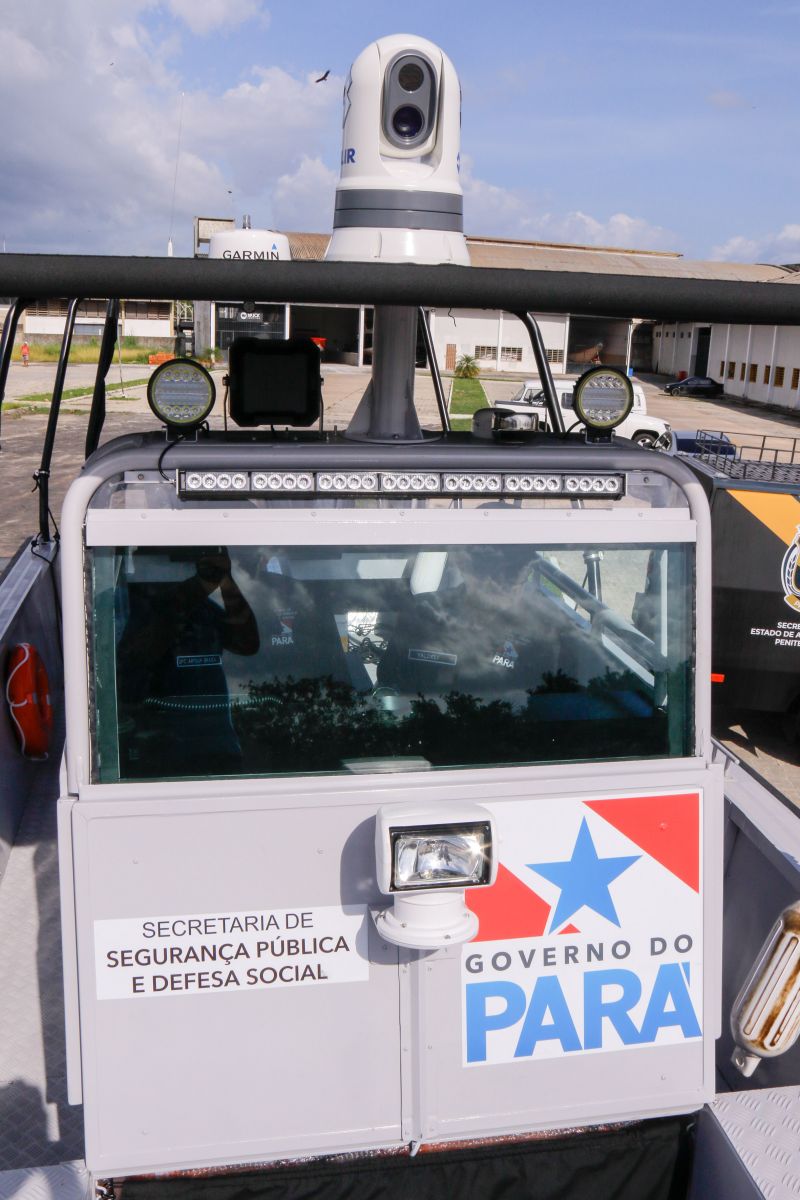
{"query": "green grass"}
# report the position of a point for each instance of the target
(85, 352)
(467, 397)
(69, 394)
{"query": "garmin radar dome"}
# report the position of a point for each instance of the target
(399, 198)
(249, 245)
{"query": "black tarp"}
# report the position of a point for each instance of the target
(646, 1161)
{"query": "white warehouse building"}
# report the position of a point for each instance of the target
(497, 340)
(760, 363)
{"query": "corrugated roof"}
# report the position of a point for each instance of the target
(308, 245)
(598, 260)
(524, 243)
(537, 257)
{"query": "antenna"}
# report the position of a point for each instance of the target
(175, 177)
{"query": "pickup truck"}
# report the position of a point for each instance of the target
(641, 428)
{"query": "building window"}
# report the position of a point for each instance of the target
(722, 367)
(92, 308)
(766, 373)
(149, 310)
(777, 378)
(795, 378)
(48, 308)
(741, 373)
(754, 372)
(731, 370)
(658, 333)
(514, 354)
(555, 356)
(486, 351)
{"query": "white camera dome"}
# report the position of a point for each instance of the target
(399, 198)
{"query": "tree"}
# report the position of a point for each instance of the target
(467, 367)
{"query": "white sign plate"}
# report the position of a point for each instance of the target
(591, 938)
(215, 953)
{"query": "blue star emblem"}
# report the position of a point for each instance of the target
(584, 879)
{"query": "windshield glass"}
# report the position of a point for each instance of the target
(265, 660)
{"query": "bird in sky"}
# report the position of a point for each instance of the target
(322, 78)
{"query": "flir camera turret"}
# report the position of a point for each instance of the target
(399, 198)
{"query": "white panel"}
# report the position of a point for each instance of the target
(395, 527)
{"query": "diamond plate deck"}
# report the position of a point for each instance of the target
(37, 1126)
(70, 1181)
(764, 1127)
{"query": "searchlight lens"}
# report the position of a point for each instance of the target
(410, 77)
(181, 393)
(603, 397)
(440, 857)
(407, 122)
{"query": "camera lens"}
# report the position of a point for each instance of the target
(407, 121)
(410, 77)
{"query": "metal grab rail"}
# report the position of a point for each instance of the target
(7, 342)
(42, 476)
(430, 351)
(601, 616)
(656, 297)
(543, 367)
(97, 413)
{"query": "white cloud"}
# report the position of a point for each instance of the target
(303, 200)
(781, 247)
(620, 230)
(22, 61)
(90, 165)
(203, 16)
(500, 212)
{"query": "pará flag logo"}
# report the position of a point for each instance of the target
(590, 939)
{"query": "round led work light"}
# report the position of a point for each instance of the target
(181, 393)
(603, 397)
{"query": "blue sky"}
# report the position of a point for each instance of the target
(632, 124)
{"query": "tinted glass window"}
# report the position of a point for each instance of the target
(214, 661)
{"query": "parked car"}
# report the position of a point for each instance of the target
(638, 426)
(694, 385)
(697, 441)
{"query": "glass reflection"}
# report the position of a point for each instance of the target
(299, 660)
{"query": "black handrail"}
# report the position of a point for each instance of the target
(652, 296)
(7, 342)
(42, 476)
(543, 367)
(430, 351)
(97, 413)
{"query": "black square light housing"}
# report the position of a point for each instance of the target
(274, 382)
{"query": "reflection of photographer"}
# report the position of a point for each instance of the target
(170, 668)
(239, 630)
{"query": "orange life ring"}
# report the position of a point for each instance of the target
(28, 697)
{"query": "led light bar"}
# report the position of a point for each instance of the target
(592, 484)
(216, 481)
(282, 481)
(527, 484)
(347, 481)
(410, 481)
(548, 485)
(472, 483)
